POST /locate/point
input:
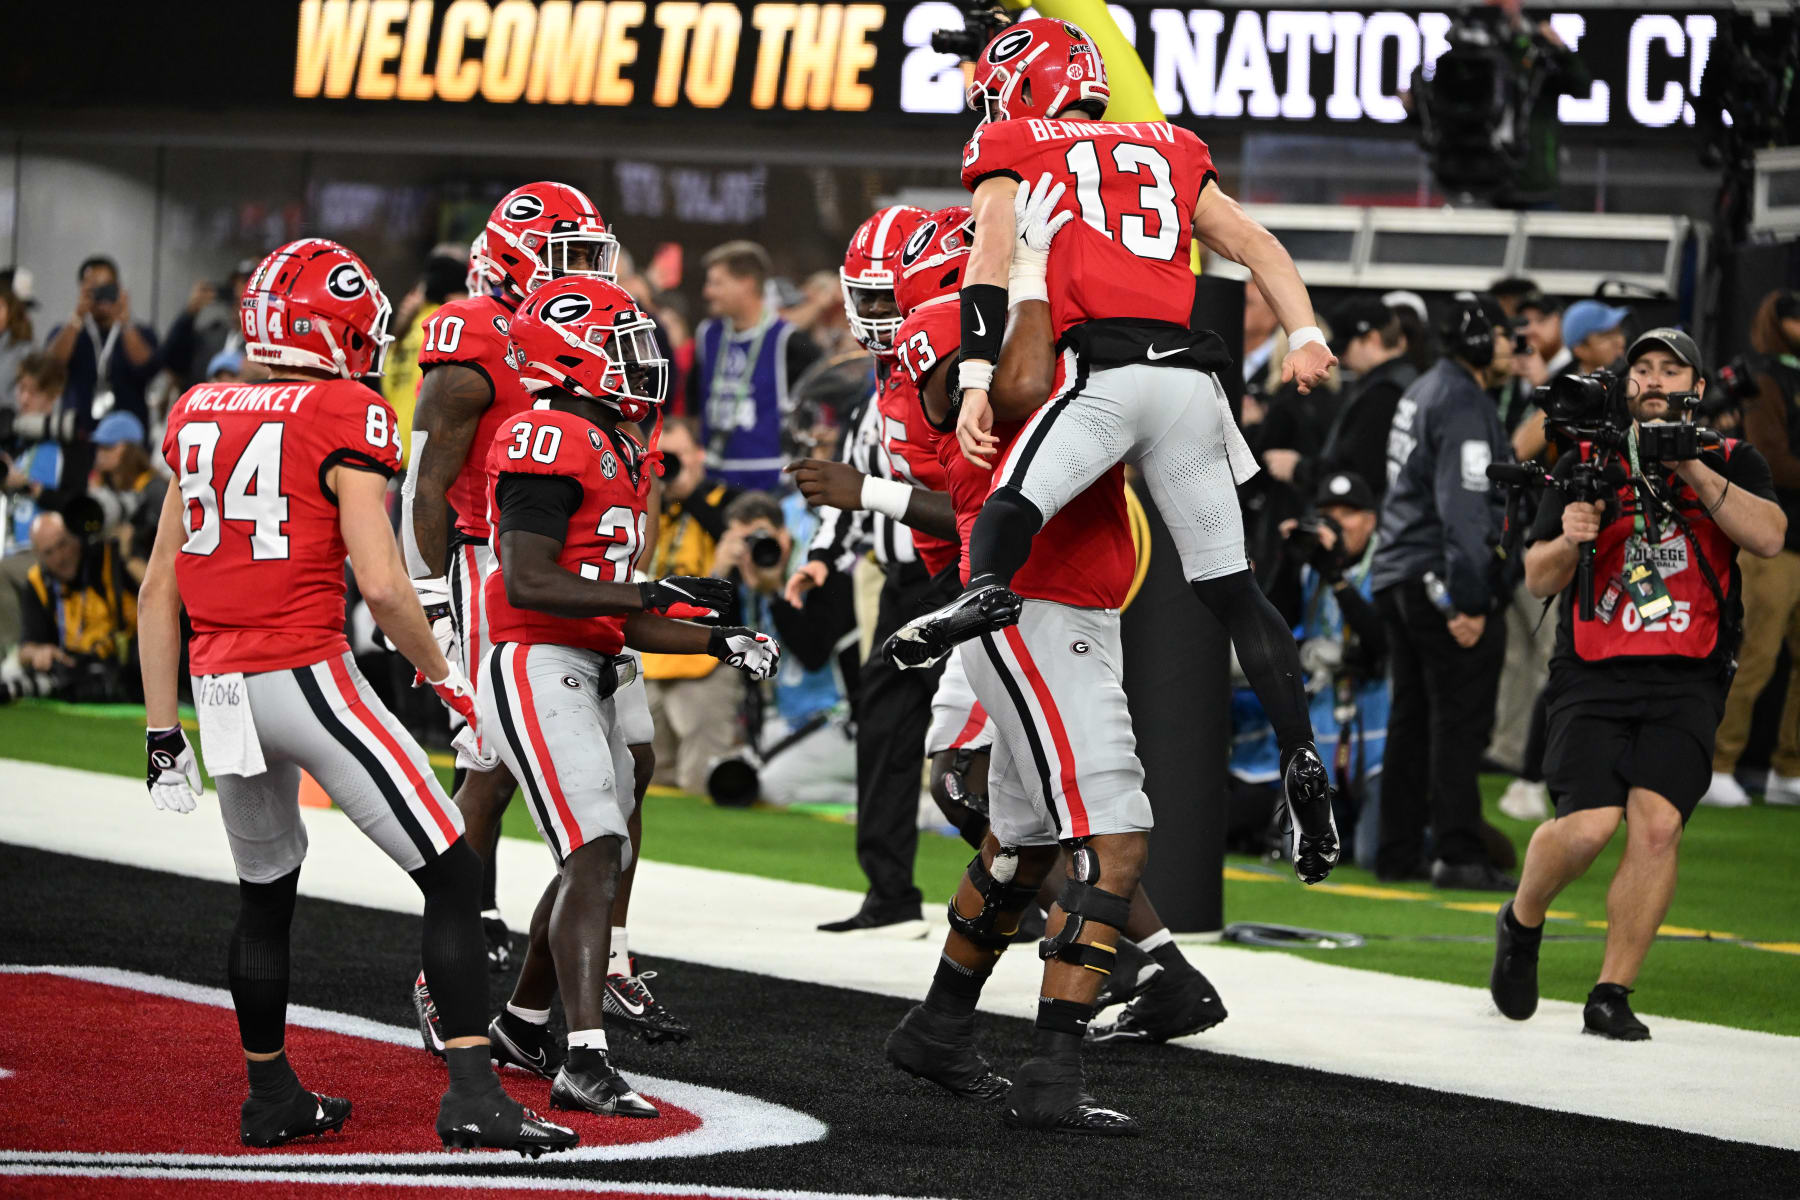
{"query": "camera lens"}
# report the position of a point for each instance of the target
(765, 549)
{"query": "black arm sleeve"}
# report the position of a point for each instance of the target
(540, 504)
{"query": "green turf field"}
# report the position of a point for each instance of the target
(1737, 882)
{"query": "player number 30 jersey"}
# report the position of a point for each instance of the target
(560, 475)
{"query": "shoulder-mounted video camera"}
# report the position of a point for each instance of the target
(980, 23)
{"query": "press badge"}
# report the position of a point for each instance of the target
(227, 730)
(1648, 592)
(1609, 600)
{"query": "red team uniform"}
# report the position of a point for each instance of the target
(1064, 760)
(905, 439)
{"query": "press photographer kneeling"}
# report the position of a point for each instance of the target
(1638, 537)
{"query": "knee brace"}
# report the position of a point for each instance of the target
(955, 782)
(1001, 902)
(1083, 902)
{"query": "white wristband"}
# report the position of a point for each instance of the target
(889, 497)
(1026, 280)
(975, 375)
(1305, 337)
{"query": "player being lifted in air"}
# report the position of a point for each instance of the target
(276, 482)
(1140, 388)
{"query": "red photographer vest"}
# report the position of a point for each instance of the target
(1690, 629)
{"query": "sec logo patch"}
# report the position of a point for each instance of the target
(609, 466)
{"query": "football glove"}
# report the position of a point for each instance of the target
(694, 597)
(173, 776)
(1037, 223)
(458, 696)
(753, 653)
(434, 598)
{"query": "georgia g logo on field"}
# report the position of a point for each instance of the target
(523, 208)
(345, 282)
(564, 309)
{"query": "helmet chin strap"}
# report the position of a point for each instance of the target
(337, 355)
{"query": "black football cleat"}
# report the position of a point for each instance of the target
(941, 1050)
(1051, 1097)
(426, 1012)
(1513, 983)
(1174, 1006)
(588, 1083)
(1133, 972)
(499, 941)
(516, 1043)
(1608, 1014)
(926, 641)
(303, 1114)
(1313, 836)
(628, 1002)
(493, 1120)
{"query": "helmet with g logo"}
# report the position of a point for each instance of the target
(588, 338)
(1039, 68)
(537, 233)
(932, 261)
(315, 305)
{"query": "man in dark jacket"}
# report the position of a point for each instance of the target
(1368, 339)
(1434, 582)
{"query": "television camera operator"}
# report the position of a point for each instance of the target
(1638, 538)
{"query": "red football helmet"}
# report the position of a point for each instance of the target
(1038, 68)
(316, 305)
(537, 233)
(931, 264)
(869, 274)
(587, 337)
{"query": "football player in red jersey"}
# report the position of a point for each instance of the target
(536, 233)
(1141, 387)
(1057, 670)
(569, 492)
(276, 482)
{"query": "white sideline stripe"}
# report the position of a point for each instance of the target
(496, 1184)
(730, 1122)
(1702, 1078)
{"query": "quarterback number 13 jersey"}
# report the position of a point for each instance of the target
(1133, 186)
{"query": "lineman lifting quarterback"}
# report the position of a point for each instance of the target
(1140, 386)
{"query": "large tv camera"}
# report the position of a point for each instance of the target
(980, 23)
(1588, 421)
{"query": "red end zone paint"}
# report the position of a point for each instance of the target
(68, 1043)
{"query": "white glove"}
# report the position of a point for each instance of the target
(753, 653)
(173, 776)
(1037, 223)
(434, 598)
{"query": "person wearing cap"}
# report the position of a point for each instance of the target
(1772, 587)
(122, 473)
(1595, 334)
(1635, 693)
(1369, 340)
(1436, 580)
(1343, 647)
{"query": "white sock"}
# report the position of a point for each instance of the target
(531, 1016)
(1161, 937)
(618, 959)
(588, 1039)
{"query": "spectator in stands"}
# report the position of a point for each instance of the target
(809, 756)
(1595, 334)
(1415, 323)
(227, 366)
(1544, 335)
(78, 611)
(110, 358)
(687, 696)
(445, 279)
(745, 357)
(1771, 585)
(122, 471)
(15, 340)
(1370, 341)
(207, 324)
(35, 464)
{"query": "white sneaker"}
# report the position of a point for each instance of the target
(1726, 792)
(1527, 801)
(1782, 790)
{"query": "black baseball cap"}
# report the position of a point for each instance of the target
(1668, 338)
(1344, 489)
(1355, 317)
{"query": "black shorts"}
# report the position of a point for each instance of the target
(1596, 751)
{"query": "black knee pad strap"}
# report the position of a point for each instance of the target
(1084, 903)
(1001, 903)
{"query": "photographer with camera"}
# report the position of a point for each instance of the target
(32, 439)
(110, 359)
(1771, 423)
(78, 610)
(1639, 538)
(1436, 580)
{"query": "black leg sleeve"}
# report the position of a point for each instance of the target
(1000, 542)
(258, 965)
(1266, 650)
(453, 948)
